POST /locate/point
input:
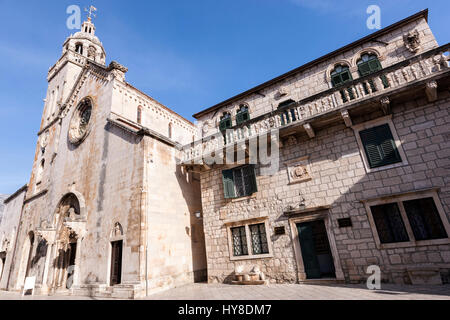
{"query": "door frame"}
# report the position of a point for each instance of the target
(309, 217)
(110, 284)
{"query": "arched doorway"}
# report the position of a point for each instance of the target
(66, 244)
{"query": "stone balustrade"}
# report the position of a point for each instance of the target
(69, 55)
(381, 83)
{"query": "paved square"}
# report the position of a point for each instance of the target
(202, 291)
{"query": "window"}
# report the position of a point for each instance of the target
(139, 114)
(369, 64)
(239, 182)
(79, 48)
(259, 239)
(389, 223)
(40, 172)
(410, 218)
(242, 114)
(225, 122)
(239, 241)
(339, 76)
(379, 146)
(424, 219)
(249, 239)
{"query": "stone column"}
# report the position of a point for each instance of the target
(76, 275)
(46, 266)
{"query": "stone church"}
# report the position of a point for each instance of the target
(123, 200)
(107, 211)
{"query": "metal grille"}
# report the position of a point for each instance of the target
(424, 219)
(259, 239)
(389, 223)
(239, 242)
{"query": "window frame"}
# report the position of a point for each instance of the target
(399, 199)
(246, 224)
(375, 123)
(241, 113)
(232, 171)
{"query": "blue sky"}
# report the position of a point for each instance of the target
(189, 55)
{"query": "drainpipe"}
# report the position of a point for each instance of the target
(143, 210)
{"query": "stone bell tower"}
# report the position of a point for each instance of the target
(78, 48)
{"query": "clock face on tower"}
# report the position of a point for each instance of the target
(81, 122)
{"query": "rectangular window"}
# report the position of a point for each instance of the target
(239, 241)
(379, 146)
(389, 223)
(239, 182)
(424, 219)
(259, 239)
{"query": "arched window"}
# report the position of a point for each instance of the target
(170, 130)
(242, 114)
(139, 115)
(368, 64)
(225, 121)
(339, 76)
(79, 48)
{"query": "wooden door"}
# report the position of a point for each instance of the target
(116, 262)
(310, 261)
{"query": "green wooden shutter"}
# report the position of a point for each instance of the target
(250, 179)
(336, 80)
(222, 125)
(228, 184)
(364, 69)
(380, 146)
(239, 118)
(374, 65)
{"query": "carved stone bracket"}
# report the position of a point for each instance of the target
(386, 105)
(431, 91)
(347, 119)
(309, 130)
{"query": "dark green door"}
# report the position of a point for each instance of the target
(310, 261)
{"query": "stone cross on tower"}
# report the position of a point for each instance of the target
(90, 12)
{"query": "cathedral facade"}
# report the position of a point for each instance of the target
(107, 211)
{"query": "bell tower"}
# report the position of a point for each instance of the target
(78, 49)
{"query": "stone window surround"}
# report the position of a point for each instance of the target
(308, 217)
(373, 123)
(430, 193)
(247, 223)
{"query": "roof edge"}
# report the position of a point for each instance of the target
(420, 14)
(15, 194)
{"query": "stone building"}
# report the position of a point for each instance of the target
(9, 224)
(107, 211)
(362, 179)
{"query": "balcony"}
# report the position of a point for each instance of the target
(361, 95)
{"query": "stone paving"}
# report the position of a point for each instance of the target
(279, 292)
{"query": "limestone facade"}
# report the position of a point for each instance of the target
(324, 178)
